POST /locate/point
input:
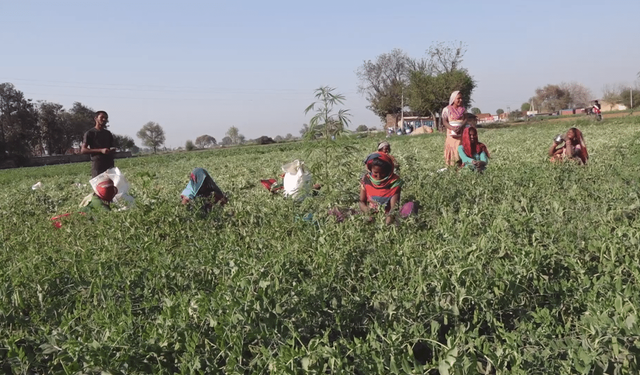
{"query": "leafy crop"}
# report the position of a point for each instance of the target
(530, 268)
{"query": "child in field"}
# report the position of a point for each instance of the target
(201, 185)
(470, 120)
(385, 148)
(571, 146)
(473, 154)
(381, 187)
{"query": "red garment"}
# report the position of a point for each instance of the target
(472, 149)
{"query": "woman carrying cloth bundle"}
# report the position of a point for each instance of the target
(569, 147)
(381, 187)
(453, 119)
(473, 154)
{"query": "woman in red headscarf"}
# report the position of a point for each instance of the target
(473, 154)
(571, 146)
(381, 187)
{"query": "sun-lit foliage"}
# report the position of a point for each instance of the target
(528, 268)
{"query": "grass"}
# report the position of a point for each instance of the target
(531, 268)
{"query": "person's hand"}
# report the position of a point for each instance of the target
(369, 219)
(105, 150)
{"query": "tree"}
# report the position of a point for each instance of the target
(152, 135)
(429, 94)
(476, 111)
(205, 141)
(551, 98)
(189, 146)
(278, 138)
(382, 82)
(226, 141)
(525, 107)
(19, 131)
(288, 137)
(234, 134)
(362, 128)
(304, 130)
(515, 115)
(54, 128)
(499, 111)
(124, 142)
(445, 57)
(625, 97)
(80, 119)
(580, 95)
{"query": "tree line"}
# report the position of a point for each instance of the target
(29, 128)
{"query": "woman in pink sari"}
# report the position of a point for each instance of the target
(453, 119)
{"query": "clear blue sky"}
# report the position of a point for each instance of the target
(199, 67)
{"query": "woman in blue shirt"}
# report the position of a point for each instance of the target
(473, 154)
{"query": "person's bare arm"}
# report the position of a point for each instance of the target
(86, 150)
(364, 207)
(555, 148)
(392, 205)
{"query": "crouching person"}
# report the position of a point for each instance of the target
(380, 188)
(202, 186)
(104, 192)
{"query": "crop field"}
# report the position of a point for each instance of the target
(530, 268)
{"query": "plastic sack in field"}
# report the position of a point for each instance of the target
(122, 199)
(297, 179)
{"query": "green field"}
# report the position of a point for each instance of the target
(531, 268)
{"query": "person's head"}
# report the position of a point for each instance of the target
(379, 165)
(385, 147)
(105, 189)
(470, 119)
(573, 134)
(101, 118)
(473, 136)
(455, 99)
(596, 101)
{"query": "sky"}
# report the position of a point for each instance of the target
(199, 67)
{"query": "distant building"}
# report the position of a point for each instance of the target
(484, 118)
(410, 120)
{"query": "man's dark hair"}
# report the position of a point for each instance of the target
(99, 112)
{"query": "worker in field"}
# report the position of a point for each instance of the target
(103, 193)
(380, 188)
(473, 154)
(452, 119)
(571, 146)
(385, 147)
(202, 187)
(100, 144)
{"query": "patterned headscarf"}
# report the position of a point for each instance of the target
(380, 192)
(455, 113)
(198, 178)
(383, 144)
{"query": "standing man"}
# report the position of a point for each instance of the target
(99, 143)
